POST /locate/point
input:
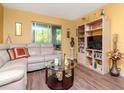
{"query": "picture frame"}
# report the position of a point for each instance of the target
(18, 29)
(68, 34)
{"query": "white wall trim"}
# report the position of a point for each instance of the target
(122, 74)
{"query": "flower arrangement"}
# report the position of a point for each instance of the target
(115, 55)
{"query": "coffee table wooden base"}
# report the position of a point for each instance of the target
(53, 83)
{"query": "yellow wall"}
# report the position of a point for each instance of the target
(11, 16)
(1, 23)
(115, 14)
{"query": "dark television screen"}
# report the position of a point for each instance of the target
(94, 42)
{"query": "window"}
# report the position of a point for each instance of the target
(42, 33)
(56, 36)
(45, 33)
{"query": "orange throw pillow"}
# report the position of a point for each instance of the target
(20, 52)
(26, 52)
(11, 54)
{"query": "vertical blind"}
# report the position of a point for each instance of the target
(42, 33)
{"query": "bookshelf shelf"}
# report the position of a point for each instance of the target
(96, 29)
(81, 38)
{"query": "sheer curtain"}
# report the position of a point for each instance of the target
(42, 33)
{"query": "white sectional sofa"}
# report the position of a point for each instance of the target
(13, 74)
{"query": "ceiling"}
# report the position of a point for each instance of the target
(70, 11)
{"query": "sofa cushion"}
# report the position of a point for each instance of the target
(13, 71)
(37, 66)
(4, 55)
(18, 45)
(1, 62)
(4, 46)
(50, 57)
(35, 59)
(15, 64)
(11, 76)
(47, 49)
(34, 49)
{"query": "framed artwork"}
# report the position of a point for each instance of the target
(68, 34)
(18, 29)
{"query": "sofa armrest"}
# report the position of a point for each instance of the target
(10, 76)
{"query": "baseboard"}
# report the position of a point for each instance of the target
(122, 74)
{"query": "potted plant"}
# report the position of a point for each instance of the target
(115, 56)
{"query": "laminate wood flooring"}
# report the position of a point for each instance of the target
(84, 79)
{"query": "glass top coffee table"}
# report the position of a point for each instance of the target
(60, 77)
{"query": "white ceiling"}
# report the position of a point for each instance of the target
(70, 11)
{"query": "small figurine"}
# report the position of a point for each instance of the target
(72, 48)
(72, 42)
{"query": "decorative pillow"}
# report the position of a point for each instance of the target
(11, 54)
(20, 52)
(26, 52)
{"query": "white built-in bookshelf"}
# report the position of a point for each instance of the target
(96, 43)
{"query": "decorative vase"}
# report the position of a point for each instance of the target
(56, 61)
(102, 12)
(114, 71)
(59, 76)
(8, 40)
(95, 65)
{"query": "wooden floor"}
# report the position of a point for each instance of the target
(84, 79)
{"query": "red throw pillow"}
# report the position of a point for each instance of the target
(20, 52)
